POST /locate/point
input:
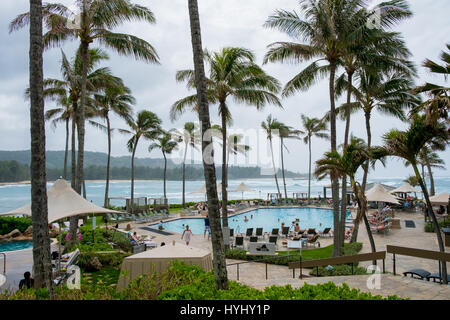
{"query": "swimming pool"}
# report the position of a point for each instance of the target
(15, 245)
(267, 218)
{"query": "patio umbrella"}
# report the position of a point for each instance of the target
(441, 199)
(202, 190)
(242, 187)
(405, 188)
(379, 194)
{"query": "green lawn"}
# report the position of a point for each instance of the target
(323, 253)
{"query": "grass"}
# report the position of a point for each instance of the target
(107, 276)
(320, 253)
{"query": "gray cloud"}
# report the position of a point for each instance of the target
(224, 23)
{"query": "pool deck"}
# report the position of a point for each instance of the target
(253, 274)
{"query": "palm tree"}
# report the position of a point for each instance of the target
(147, 126)
(408, 145)
(438, 104)
(117, 100)
(353, 157)
(219, 262)
(412, 180)
(272, 126)
(97, 18)
(62, 114)
(189, 135)
(313, 127)
(430, 159)
(286, 132)
(42, 268)
(233, 73)
(167, 145)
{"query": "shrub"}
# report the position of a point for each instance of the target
(429, 226)
(8, 224)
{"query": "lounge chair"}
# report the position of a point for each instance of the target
(231, 233)
(239, 242)
(273, 239)
(259, 232)
(325, 232)
(285, 232)
(253, 239)
(249, 232)
(312, 231)
(419, 273)
(313, 241)
(437, 278)
(69, 259)
(275, 232)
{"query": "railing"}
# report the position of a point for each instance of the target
(419, 253)
(381, 255)
(237, 264)
(4, 262)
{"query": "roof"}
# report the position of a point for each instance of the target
(440, 199)
(405, 188)
(63, 202)
(172, 251)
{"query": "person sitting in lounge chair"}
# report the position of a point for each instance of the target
(349, 232)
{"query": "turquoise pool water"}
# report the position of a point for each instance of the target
(15, 245)
(266, 218)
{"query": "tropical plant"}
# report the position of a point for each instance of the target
(408, 145)
(412, 180)
(232, 73)
(147, 125)
(189, 135)
(438, 104)
(313, 127)
(96, 19)
(167, 145)
(271, 127)
(117, 100)
(286, 132)
(219, 261)
(42, 268)
(352, 158)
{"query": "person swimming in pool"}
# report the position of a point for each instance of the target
(245, 218)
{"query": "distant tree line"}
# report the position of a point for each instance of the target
(13, 171)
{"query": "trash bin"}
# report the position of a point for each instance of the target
(446, 232)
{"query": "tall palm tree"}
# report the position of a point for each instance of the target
(313, 127)
(62, 114)
(219, 262)
(117, 100)
(42, 268)
(408, 145)
(147, 126)
(167, 145)
(353, 157)
(232, 73)
(286, 132)
(189, 135)
(271, 127)
(97, 18)
(430, 159)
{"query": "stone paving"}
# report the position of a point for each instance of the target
(253, 274)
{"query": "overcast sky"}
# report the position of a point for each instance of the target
(224, 23)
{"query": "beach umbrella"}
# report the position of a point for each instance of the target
(202, 190)
(441, 199)
(242, 187)
(406, 188)
(379, 194)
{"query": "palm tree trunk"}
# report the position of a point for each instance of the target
(282, 171)
(435, 222)
(41, 240)
(66, 151)
(430, 174)
(344, 178)
(81, 117)
(274, 167)
(184, 178)
(165, 166)
(309, 172)
(74, 159)
(219, 263)
(132, 176)
(224, 169)
(108, 162)
(337, 250)
(365, 174)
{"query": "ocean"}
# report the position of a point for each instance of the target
(14, 196)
